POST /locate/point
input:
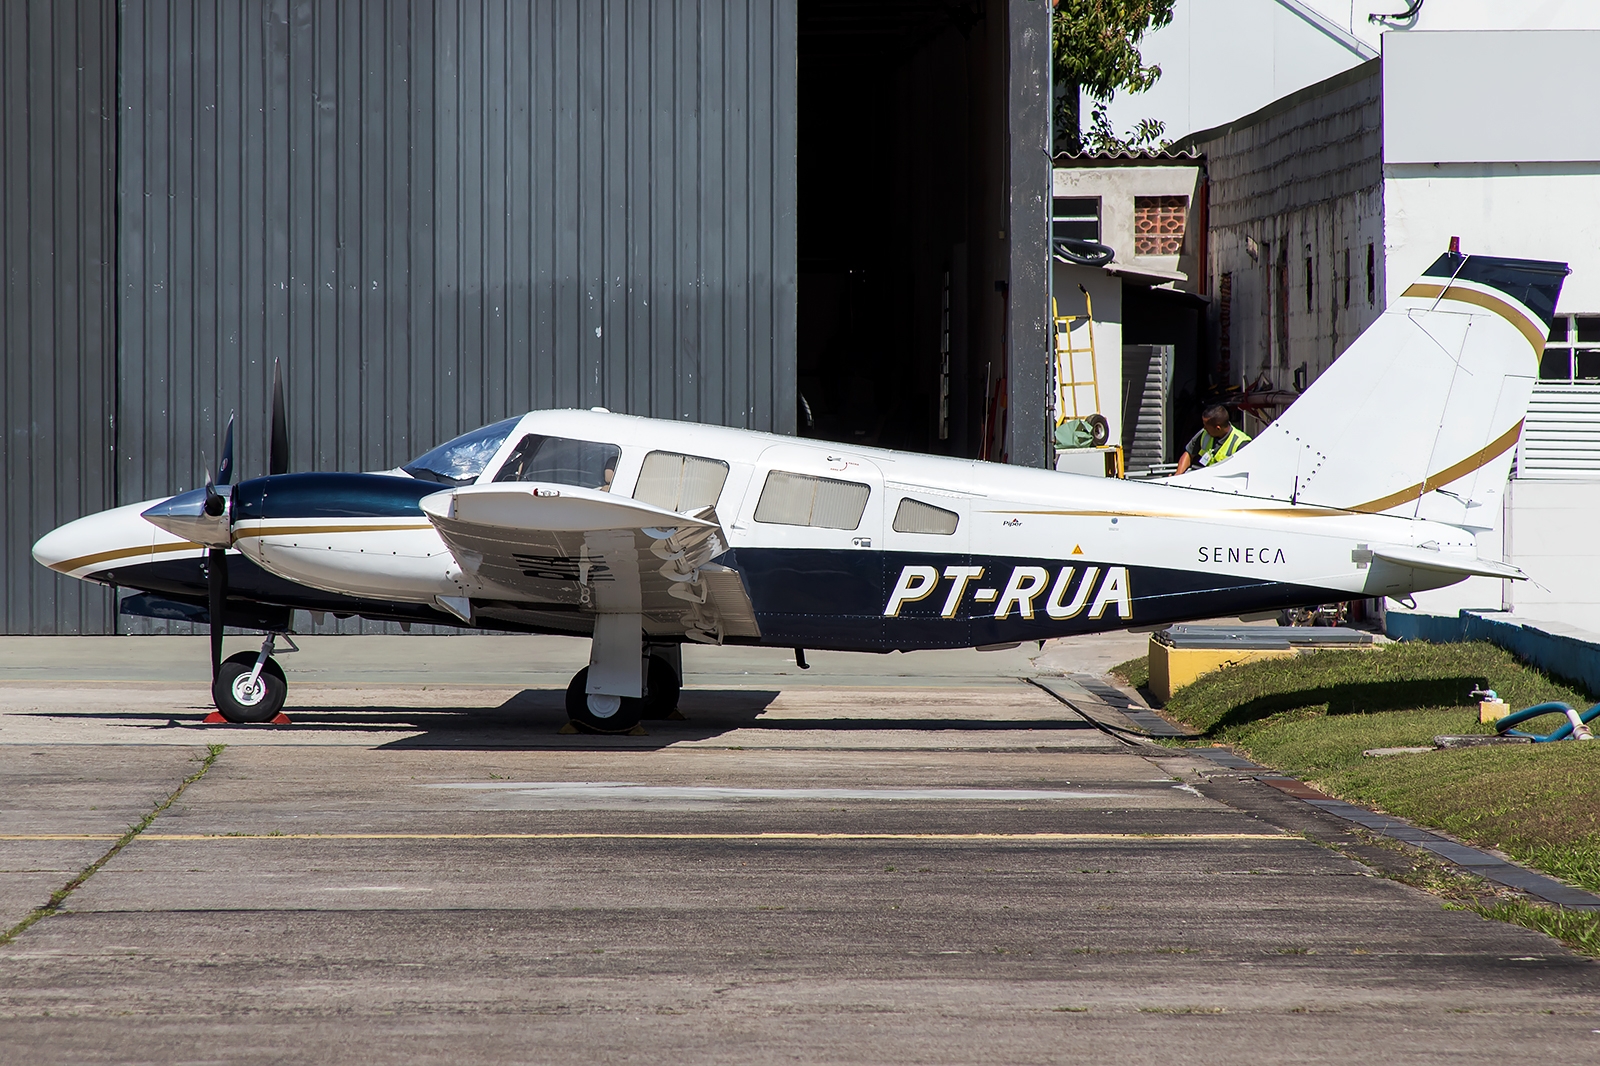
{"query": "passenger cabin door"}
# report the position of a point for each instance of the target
(927, 568)
(814, 564)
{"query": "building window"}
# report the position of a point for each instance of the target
(1158, 224)
(1075, 217)
(1311, 274)
(1225, 325)
(1372, 276)
(1347, 279)
(1573, 351)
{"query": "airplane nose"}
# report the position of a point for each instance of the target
(55, 547)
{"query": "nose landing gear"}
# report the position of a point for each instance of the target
(250, 687)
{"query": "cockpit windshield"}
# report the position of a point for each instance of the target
(460, 461)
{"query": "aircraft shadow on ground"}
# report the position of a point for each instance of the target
(1354, 698)
(532, 718)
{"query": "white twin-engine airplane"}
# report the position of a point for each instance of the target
(642, 533)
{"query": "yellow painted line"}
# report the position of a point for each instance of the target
(1067, 838)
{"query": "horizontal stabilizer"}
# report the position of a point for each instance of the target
(1424, 559)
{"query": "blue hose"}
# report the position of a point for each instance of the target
(1503, 726)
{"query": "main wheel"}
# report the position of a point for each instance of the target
(661, 693)
(239, 700)
(1099, 429)
(600, 714)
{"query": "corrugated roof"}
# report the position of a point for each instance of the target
(1188, 156)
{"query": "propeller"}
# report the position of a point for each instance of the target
(204, 515)
(278, 446)
(216, 506)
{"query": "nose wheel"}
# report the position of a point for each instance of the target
(250, 687)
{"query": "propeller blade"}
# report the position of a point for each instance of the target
(217, 593)
(279, 449)
(215, 502)
(225, 468)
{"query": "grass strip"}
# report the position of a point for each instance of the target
(60, 895)
(1313, 715)
(1578, 930)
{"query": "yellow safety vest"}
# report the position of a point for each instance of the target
(1223, 449)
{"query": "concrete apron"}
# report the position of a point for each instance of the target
(898, 867)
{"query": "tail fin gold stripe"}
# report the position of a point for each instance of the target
(1482, 457)
(1532, 330)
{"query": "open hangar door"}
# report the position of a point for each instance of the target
(909, 188)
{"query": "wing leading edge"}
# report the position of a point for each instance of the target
(587, 552)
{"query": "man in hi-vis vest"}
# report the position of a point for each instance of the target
(1215, 443)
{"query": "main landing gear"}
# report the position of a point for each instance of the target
(250, 687)
(609, 696)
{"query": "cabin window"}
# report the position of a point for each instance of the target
(460, 461)
(680, 482)
(560, 461)
(914, 516)
(801, 500)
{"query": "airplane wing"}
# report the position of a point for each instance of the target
(1425, 559)
(574, 549)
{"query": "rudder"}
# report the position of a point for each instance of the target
(1421, 415)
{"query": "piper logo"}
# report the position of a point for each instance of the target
(1066, 598)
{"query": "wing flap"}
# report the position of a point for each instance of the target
(587, 552)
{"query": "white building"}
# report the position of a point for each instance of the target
(1221, 59)
(1149, 324)
(1327, 203)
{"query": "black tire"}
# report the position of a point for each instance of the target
(260, 705)
(626, 717)
(1099, 429)
(662, 689)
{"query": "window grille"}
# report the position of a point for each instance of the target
(1158, 224)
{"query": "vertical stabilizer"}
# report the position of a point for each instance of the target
(1421, 415)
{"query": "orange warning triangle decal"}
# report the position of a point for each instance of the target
(1077, 549)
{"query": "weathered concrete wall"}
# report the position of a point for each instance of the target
(1296, 219)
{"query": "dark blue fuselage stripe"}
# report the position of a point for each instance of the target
(835, 599)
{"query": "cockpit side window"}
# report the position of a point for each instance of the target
(680, 482)
(561, 461)
(460, 461)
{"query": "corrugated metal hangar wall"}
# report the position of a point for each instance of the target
(58, 191)
(440, 212)
(435, 214)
